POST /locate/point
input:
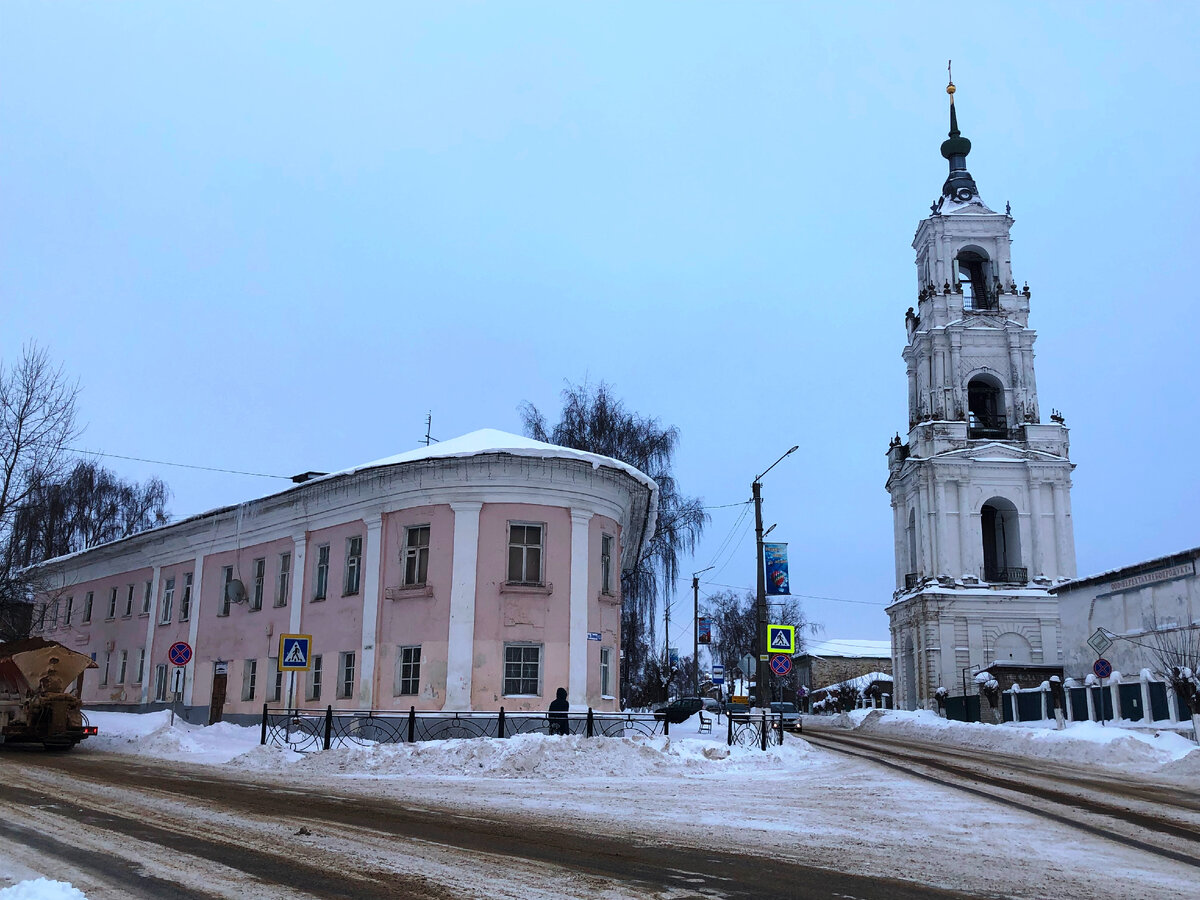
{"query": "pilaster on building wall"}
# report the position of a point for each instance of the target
(981, 485)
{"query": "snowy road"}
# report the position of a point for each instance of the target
(182, 811)
(210, 835)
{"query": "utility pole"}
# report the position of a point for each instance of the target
(763, 652)
(696, 624)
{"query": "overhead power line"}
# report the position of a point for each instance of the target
(162, 462)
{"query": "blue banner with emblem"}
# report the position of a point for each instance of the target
(775, 560)
(704, 630)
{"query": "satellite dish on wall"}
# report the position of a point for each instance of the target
(235, 592)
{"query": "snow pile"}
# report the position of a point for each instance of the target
(1081, 743)
(152, 735)
(42, 889)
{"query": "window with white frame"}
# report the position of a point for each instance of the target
(185, 601)
(112, 603)
(260, 583)
(160, 683)
(107, 661)
(283, 580)
(249, 678)
(226, 581)
(277, 681)
(141, 666)
(606, 546)
(353, 566)
(168, 601)
(128, 602)
(524, 553)
(87, 607)
(69, 609)
(53, 615)
(122, 663)
(605, 671)
(321, 582)
(408, 670)
(522, 670)
(314, 679)
(146, 596)
(415, 555)
(346, 674)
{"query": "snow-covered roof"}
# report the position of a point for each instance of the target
(861, 683)
(475, 443)
(1133, 568)
(850, 648)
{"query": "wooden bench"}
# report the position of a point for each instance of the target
(705, 725)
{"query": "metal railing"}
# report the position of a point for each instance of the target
(309, 730)
(911, 580)
(1005, 574)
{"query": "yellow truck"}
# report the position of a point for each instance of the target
(37, 703)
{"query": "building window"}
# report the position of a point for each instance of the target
(141, 666)
(314, 679)
(346, 675)
(408, 670)
(606, 545)
(185, 602)
(524, 553)
(416, 555)
(249, 677)
(122, 663)
(107, 660)
(283, 580)
(226, 581)
(146, 598)
(522, 670)
(277, 683)
(70, 608)
(53, 615)
(112, 603)
(322, 580)
(605, 672)
(160, 683)
(168, 601)
(353, 565)
(129, 602)
(260, 583)
(87, 607)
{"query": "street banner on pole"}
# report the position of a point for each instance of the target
(673, 656)
(775, 560)
(704, 627)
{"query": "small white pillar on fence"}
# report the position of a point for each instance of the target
(1016, 710)
(1172, 704)
(1147, 709)
(1069, 712)
(1114, 687)
(1088, 694)
(1045, 695)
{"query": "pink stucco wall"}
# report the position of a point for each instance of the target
(414, 616)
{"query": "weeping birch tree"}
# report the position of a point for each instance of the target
(592, 419)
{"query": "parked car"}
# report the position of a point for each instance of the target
(737, 710)
(680, 710)
(789, 714)
(712, 706)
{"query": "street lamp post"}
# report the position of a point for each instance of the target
(696, 624)
(763, 651)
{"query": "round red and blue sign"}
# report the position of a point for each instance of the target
(1102, 668)
(180, 653)
(781, 665)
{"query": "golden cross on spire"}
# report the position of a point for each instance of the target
(950, 79)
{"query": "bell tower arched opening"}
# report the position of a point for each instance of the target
(974, 273)
(1001, 529)
(987, 417)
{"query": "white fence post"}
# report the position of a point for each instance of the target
(1172, 704)
(1114, 687)
(1147, 709)
(1091, 702)
(1045, 696)
(1012, 692)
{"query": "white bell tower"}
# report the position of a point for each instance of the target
(981, 489)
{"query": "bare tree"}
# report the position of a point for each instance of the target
(37, 426)
(1176, 655)
(735, 628)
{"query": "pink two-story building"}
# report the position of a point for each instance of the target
(472, 574)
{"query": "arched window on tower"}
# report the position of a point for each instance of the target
(1001, 543)
(986, 416)
(973, 270)
(912, 577)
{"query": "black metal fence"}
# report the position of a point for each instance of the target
(307, 730)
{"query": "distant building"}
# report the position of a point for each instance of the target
(826, 662)
(1141, 603)
(475, 573)
(981, 487)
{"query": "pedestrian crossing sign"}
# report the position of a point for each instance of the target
(295, 652)
(781, 638)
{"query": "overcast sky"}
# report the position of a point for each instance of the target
(271, 237)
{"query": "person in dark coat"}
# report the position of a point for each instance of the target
(558, 713)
